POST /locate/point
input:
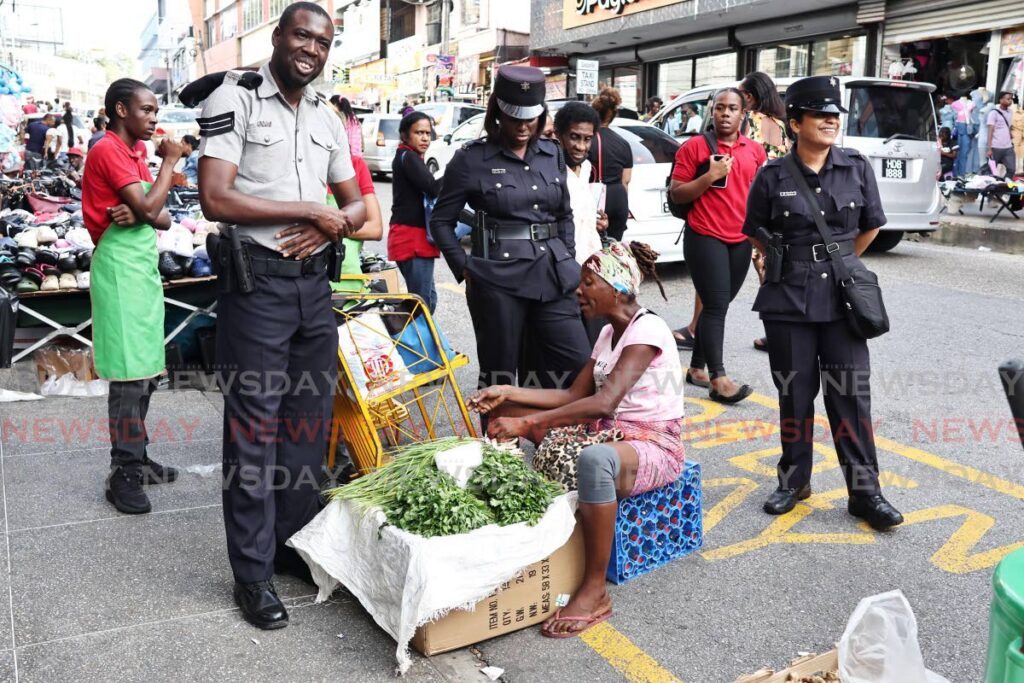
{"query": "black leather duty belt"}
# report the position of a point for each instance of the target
(285, 267)
(523, 231)
(817, 252)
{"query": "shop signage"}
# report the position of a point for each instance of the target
(582, 12)
(586, 76)
(1012, 43)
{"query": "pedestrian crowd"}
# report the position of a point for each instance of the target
(568, 356)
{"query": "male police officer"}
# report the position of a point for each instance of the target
(521, 274)
(809, 339)
(269, 148)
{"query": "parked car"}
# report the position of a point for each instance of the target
(649, 218)
(449, 115)
(176, 122)
(380, 141)
(441, 151)
(892, 123)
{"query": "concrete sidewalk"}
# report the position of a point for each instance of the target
(974, 229)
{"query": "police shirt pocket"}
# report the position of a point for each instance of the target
(549, 189)
(498, 196)
(265, 155)
(558, 249)
(849, 206)
(789, 214)
(321, 149)
(787, 297)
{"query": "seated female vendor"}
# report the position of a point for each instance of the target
(632, 383)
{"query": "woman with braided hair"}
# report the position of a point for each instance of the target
(626, 403)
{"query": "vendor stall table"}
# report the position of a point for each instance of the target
(367, 419)
(1005, 198)
(68, 312)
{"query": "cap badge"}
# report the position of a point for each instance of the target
(834, 82)
(524, 86)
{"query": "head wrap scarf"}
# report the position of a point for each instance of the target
(616, 265)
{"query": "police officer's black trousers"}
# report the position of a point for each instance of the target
(501, 322)
(277, 351)
(804, 356)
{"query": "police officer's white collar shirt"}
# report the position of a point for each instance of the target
(282, 153)
(584, 212)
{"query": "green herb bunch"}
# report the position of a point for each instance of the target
(513, 492)
(434, 505)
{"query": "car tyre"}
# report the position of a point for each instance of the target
(886, 240)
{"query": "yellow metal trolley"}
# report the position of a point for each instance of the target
(381, 404)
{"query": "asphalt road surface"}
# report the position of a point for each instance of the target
(764, 589)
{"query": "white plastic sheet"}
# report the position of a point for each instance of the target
(880, 643)
(404, 580)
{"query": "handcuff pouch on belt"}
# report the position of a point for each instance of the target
(774, 253)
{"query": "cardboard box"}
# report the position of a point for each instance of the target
(808, 665)
(57, 361)
(525, 601)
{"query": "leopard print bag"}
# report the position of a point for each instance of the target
(558, 453)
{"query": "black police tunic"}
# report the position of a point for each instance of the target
(531, 190)
(847, 195)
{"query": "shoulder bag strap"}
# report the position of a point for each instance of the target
(831, 246)
(600, 158)
(709, 137)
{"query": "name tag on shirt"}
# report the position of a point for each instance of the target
(791, 193)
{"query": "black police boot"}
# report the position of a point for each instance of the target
(155, 473)
(784, 500)
(260, 605)
(124, 490)
(875, 510)
(288, 561)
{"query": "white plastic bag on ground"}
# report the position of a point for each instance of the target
(404, 580)
(880, 643)
(69, 385)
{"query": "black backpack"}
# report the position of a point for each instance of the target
(681, 210)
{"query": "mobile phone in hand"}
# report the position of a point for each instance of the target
(721, 183)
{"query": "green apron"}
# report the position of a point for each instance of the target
(127, 304)
(351, 265)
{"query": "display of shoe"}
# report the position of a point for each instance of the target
(48, 269)
(82, 279)
(125, 492)
(84, 259)
(26, 257)
(27, 238)
(62, 245)
(9, 275)
(67, 262)
(50, 284)
(26, 286)
(169, 266)
(67, 281)
(200, 268)
(46, 235)
(46, 256)
(260, 605)
(33, 274)
(80, 238)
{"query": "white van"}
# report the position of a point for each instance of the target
(892, 123)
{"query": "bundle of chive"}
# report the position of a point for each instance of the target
(415, 496)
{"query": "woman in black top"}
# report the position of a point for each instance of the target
(412, 181)
(612, 161)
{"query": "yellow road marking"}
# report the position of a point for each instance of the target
(744, 487)
(452, 288)
(633, 663)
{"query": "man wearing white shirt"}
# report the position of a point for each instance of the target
(56, 140)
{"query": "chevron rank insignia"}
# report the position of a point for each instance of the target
(216, 125)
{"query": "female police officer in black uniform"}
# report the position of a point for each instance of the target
(809, 340)
(521, 274)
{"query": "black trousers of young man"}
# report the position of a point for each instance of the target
(277, 352)
(805, 356)
(127, 407)
(502, 321)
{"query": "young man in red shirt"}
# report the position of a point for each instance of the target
(717, 252)
(121, 204)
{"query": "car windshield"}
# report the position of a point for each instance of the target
(648, 144)
(389, 127)
(466, 113)
(177, 116)
(885, 111)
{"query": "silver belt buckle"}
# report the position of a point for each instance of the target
(814, 253)
(534, 227)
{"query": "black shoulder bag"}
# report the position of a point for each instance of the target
(861, 296)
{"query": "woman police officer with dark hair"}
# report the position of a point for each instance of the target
(521, 274)
(810, 343)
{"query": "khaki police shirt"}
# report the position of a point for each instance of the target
(282, 154)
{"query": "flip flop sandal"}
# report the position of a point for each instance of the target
(702, 383)
(761, 344)
(589, 622)
(744, 391)
(686, 343)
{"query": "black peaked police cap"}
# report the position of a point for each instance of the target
(817, 93)
(520, 91)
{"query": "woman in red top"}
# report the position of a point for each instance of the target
(121, 205)
(714, 246)
(411, 182)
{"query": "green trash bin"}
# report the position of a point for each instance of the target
(1006, 622)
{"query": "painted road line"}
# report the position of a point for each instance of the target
(971, 474)
(452, 288)
(633, 663)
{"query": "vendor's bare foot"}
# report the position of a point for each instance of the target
(586, 603)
